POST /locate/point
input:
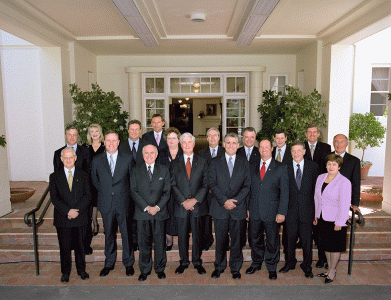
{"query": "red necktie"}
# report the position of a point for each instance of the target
(188, 167)
(263, 171)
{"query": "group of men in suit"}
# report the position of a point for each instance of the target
(231, 184)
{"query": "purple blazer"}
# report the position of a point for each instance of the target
(334, 203)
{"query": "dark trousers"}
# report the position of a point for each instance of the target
(315, 236)
(111, 222)
(72, 238)
(303, 230)
(184, 226)
(207, 222)
(236, 232)
(284, 238)
(88, 238)
(151, 232)
(259, 253)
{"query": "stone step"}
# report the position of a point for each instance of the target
(51, 253)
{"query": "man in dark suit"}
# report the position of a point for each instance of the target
(317, 152)
(350, 168)
(250, 152)
(282, 152)
(70, 194)
(83, 162)
(189, 181)
(151, 186)
(268, 207)
(214, 150)
(155, 137)
(111, 173)
(134, 144)
(301, 209)
(230, 180)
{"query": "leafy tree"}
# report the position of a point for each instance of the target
(2, 141)
(291, 112)
(98, 107)
(366, 131)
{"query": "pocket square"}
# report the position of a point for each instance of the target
(161, 178)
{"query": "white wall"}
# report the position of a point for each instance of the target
(370, 51)
(307, 61)
(200, 125)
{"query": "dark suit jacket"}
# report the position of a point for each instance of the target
(164, 158)
(196, 187)
(151, 193)
(225, 187)
(269, 196)
(205, 153)
(287, 155)
(64, 200)
(83, 159)
(301, 202)
(113, 191)
(125, 148)
(150, 138)
(320, 153)
(255, 157)
(351, 169)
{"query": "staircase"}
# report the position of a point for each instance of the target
(372, 241)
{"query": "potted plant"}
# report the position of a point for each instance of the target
(366, 131)
(2, 141)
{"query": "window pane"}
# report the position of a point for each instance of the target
(240, 85)
(232, 113)
(159, 85)
(150, 103)
(205, 85)
(232, 122)
(185, 85)
(273, 81)
(379, 85)
(233, 130)
(281, 80)
(242, 112)
(378, 98)
(159, 103)
(195, 87)
(378, 110)
(380, 73)
(230, 84)
(215, 85)
(174, 85)
(149, 85)
(241, 122)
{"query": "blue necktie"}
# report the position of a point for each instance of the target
(230, 167)
(298, 177)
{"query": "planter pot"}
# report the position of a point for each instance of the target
(364, 171)
(371, 197)
(21, 194)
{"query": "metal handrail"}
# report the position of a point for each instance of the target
(34, 223)
(352, 222)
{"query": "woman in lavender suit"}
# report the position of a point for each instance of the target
(332, 204)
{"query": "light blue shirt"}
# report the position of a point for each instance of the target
(136, 143)
(115, 155)
(227, 157)
(74, 147)
(211, 150)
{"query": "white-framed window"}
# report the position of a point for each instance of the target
(380, 87)
(277, 82)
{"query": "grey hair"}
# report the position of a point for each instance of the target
(213, 128)
(68, 149)
(186, 134)
(152, 146)
(232, 135)
(298, 143)
(347, 140)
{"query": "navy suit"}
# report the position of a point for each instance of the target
(287, 155)
(150, 138)
(115, 205)
(320, 153)
(125, 148)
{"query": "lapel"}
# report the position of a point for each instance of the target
(194, 166)
(105, 162)
(156, 173)
(332, 184)
(291, 174)
(64, 184)
(76, 184)
(224, 166)
(305, 177)
(220, 151)
(269, 170)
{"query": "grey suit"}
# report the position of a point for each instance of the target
(115, 205)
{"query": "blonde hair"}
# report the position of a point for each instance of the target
(101, 137)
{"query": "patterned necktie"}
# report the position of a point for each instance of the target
(279, 155)
(213, 153)
(150, 173)
(298, 176)
(157, 139)
(312, 151)
(188, 167)
(230, 166)
(263, 170)
(70, 180)
(134, 152)
(248, 154)
(112, 165)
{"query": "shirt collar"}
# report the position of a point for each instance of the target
(342, 155)
(74, 146)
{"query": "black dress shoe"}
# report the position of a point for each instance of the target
(309, 274)
(200, 269)
(88, 251)
(286, 269)
(129, 271)
(326, 266)
(272, 275)
(83, 275)
(161, 275)
(65, 278)
(328, 280)
(216, 273)
(135, 247)
(252, 270)
(236, 275)
(324, 275)
(180, 269)
(168, 248)
(143, 276)
(105, 271)
(320, 264)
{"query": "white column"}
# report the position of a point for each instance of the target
(386, 205)
(135, 98)
(5, 203)
(256, 88)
